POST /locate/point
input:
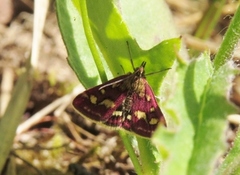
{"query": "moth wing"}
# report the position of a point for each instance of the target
(100, 102)
(145, 113)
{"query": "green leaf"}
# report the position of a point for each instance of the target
(79, 55)
(230, 40)
(111, 35)
(148, 27)
(195, 106)
(210, 141)
(13, 114)
(171, 142)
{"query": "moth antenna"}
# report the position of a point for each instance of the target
(151, 73)
(130, 55)
(122, 69)
(109, 84)
(144, 64)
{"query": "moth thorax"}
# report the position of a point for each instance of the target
(127, 105)
(139, 87)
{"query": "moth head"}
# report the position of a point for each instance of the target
(140, 70)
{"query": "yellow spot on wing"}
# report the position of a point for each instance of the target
(129, 117)
(152, 109)
(93, 99)
(153, 121)
(102, 91)
(140, 115)
(117, 113)
(108, 103)
(148, 97)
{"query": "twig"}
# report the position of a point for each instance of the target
(42, 113)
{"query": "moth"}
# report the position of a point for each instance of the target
(125, 102)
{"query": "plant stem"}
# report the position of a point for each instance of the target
(230, 40)
(147, 157)
(91, 40)
(210, 19)
(127, 143)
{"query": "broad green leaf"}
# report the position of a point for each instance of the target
(111, 35)
(182, 92)
(150, 23)
(176, 142)
(210, 140)
(79, 55)
(195, 107)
